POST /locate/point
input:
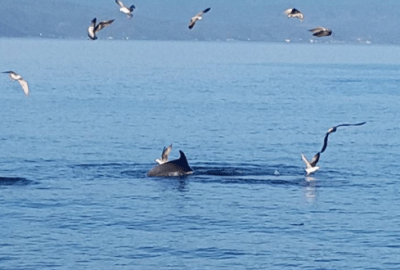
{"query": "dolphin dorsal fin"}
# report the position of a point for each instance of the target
(183, 158)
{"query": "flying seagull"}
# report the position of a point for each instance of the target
(124, 9)
(294, 13)
(16, 77)
(197, 17)
(321, 32)
(311, 166)
(93, 28)
(164, 155)
(333, 129)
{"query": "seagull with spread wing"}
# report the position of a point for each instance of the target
(124, 9)
(16, 77)
(164, 155)
(311, 166)
(197, 17)
(93, 28)
(294, 13)
(321, 32)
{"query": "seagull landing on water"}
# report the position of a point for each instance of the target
(93, 28)
(164, 155)
(311, 166)
(16, 77)
(333, 129)
(124, 9)
(197, 17)
(321, 32)
(294, 13)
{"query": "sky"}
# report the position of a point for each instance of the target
(256, 20)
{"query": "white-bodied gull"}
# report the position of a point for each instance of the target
(294, 13)
(197, 17)
(164, 155)
(311, 166)
(321, 32)
(16, 77)
(124, 9)
(93, 28)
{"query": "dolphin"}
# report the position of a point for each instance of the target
(177, 167)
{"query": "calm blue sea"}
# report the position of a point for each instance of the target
(74, 155)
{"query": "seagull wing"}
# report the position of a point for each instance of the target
(24, 86)
(317, 30)
(346, 125)
(308, 165)
(325, 142)
(288, 11)
(91, 28)
(295, 11)
(102, 24)
(10, 72)
(315, 160)
(165, 153)
(204, 11)
(119, 3)
(197, 17)
(193, 22)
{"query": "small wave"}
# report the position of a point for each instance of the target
(14, 181)
(246, 170)
(249, 174)
(113, 170)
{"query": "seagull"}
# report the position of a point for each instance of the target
(16, 77)
(294, 13)
(333, 129)
(164, 155)
(93, 28)
(311, 166)
(197, 17)
(321, 32)
(124, 9)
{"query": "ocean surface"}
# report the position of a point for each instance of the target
(74, 155)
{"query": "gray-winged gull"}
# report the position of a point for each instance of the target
(294, 13)
(165, 154)
(124, 9)
(311, 166)
(197, 17)
(321, 32)
(93, 28)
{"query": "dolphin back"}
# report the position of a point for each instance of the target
(177, 167)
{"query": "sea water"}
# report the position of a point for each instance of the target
(74, 155)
